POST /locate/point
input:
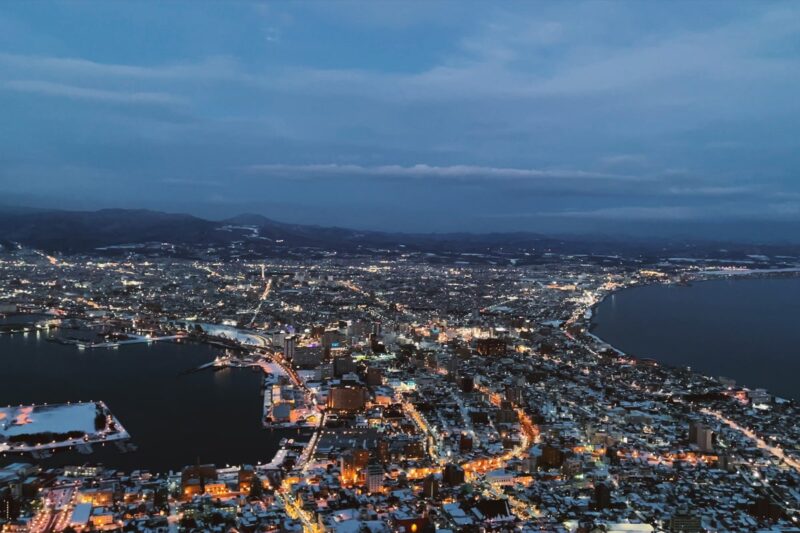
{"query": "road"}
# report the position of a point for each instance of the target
(261, 301)
(775, 451)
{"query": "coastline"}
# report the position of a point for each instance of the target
(705, 276)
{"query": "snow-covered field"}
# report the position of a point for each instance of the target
(57, 419)
(47, 418)
(228, 332)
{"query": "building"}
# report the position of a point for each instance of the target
(194, 479)
(507, 414)
(514, 395)
(9, 506)
(374, 478)
(500, 476)
(491, 346)
(80, 516)
(701, 436)
(82, 471)
(307, 357)
(552, 457)
(352, 465)
(343, 364)
(453, 365)
(495, 514)
(685, 523)
(281, 412)
(101, 518)
(374, 377)
(246, 477)
(430, 486)
(602, 496)
(465, 443)
(382, 451)
(289, 347)
(97, 497)
(453, 475)
(759, 397)
(330, 338)
(347, 398)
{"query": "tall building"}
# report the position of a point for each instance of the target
(330, 337)
(453, 365)
(352, 464)
(382, 451)
(430, 486)
(453, 475)
(289, 347)
(514, 394)
(465, 443)
(701, 436)
(343, 364)
(552, 457)
(359, 329)
(374, 478)
(374, 376)
(9, 506)
(507, 414)
(602, 496)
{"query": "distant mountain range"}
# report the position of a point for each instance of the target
(87, 231)
(81, 231)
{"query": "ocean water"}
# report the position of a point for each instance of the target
(744, 329)
(174, 418)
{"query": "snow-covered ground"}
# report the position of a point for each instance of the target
(59, 419)
(228, 332)
(47, 418)
(553, 323)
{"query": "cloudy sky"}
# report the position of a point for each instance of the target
(640, 117)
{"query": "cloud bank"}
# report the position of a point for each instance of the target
(513, 116)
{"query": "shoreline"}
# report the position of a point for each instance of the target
(763, 274)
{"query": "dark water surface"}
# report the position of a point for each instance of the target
(174, 418)
(745, 329)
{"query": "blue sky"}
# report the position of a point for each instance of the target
(676, 118)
